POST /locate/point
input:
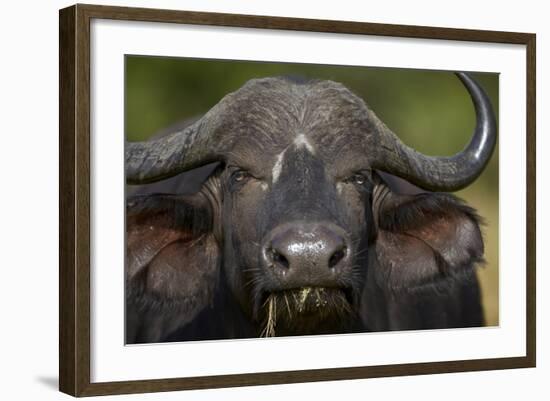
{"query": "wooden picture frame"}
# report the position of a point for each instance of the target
(75, 173)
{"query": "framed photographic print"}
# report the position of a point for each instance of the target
(252, 200)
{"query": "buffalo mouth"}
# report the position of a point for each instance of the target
(306, 310)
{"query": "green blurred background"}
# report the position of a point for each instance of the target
(429, 110)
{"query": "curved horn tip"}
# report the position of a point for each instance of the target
(458, 171)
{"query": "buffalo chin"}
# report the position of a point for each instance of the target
(307, 311)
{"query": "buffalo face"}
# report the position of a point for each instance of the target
(296, 212)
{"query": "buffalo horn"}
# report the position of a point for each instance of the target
(442, 173)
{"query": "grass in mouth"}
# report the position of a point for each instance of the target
(300, 301)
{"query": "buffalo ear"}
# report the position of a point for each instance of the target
(172, 263)
(424, 239)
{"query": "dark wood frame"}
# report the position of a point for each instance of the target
(74, 125)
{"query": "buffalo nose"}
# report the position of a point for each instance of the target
(301, 249)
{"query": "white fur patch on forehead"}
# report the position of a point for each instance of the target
(278, 166)
(302, 142)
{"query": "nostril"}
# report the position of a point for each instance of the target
(336, 257)
(278, 258)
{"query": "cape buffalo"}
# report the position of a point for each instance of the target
(299, 227)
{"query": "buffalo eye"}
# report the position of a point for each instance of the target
(358, 179)
(361, 181)
(239, 177)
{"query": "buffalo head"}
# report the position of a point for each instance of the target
(296, 230)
